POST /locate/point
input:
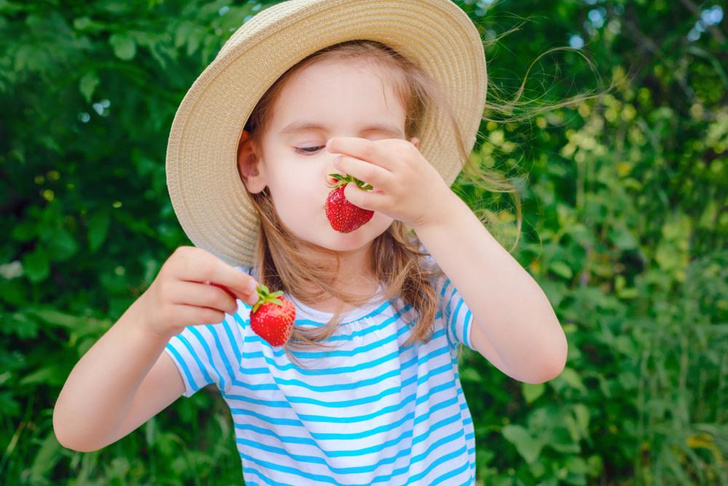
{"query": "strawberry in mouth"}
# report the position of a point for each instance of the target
(343, 216)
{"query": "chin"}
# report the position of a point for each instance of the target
(326, 237)
(356, 239)
(349, 241)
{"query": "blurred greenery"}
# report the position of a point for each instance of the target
(625, 227)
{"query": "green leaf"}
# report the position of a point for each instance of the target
(623, 239)
(628, 293)
(46, 459)
(596, 465)
(561, 269)
(569, 377)
(581, 412)
(9, 405)
(565, 448)
(36, 265)
(532, 391)
(18, 324)
(25, 231)
(82, 23)
(56, 318)
(124, 46)
(555, 290)
(181, 34)
(577, 465)
(150, 431)
(98, 229)
(628, 380)
(62, 245)
(528, 447)
(117, 7)
(45, 375)
(470, 374)
(87, 85)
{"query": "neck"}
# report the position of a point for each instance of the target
(354, 267)
(354, 276)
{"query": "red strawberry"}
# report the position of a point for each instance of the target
(343, 215)
(272, 316)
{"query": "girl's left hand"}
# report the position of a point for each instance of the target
(406, 186)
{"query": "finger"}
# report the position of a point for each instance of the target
(374, 152)
(192, 315)
(249, 299)
(203, 295)
(371, 200)
(198, 265)
(371, 174)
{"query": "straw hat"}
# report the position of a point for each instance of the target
(207, 193)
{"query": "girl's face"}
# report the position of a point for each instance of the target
(324, 100)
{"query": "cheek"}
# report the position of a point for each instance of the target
(380, 223)
(296, 198)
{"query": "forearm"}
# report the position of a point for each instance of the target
(98, 393)
(507, 304)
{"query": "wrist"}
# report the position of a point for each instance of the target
(141, 322)
(441, 213)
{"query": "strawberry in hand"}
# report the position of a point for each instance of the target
(272, 317)
(343, 215)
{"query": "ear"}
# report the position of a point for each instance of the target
(415, 141)
(250, 165)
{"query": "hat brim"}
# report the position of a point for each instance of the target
(204, 185)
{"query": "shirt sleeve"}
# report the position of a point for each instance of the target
(208, 354)
(456, 315)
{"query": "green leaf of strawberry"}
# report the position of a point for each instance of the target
(343, 216)
(272, 317)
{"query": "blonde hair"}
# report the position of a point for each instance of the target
(284, 262)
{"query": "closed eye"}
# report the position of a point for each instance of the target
(308, 150)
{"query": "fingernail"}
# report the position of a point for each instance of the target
(252, 285)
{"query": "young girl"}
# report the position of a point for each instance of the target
(367, 390)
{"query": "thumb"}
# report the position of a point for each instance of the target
(250, 294)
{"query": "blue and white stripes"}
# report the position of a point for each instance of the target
(368, 411)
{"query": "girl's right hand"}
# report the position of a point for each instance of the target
(194, 287)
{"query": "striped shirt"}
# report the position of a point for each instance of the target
(368, 411)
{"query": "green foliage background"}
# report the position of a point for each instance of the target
(625, 225)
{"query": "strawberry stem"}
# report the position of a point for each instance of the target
(344, 180)
(266, 296)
